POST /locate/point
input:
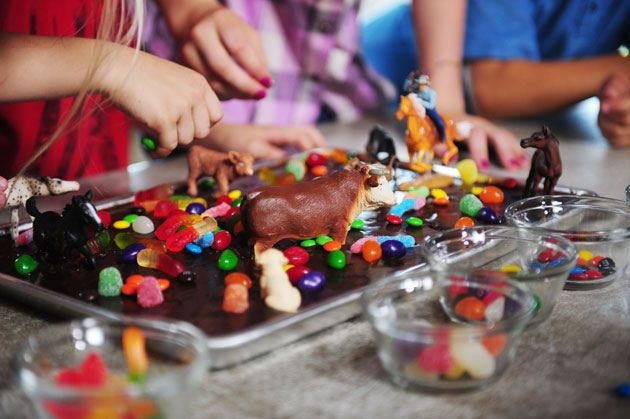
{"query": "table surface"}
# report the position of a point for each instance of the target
(566, 367)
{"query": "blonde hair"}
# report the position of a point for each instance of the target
(120, 23)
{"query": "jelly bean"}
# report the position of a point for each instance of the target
(238, 228)
(123, 240)
(457, 289)
(537, 266)
(474, 358)
(581, 262)
(471, 308)
(130, 252)
(393, 249)
(130, 218)
(234, 194)
(455, 373)
(296, 167)
(128, 289)
(487, 215)
(495, 306)
(156, 193)
(153, 244)
(415, 221)
(495, 343)
(606, 266)
(438, 193)
(138, 210)
(134, 280)
(286, 179)
(331, 246)
(237, 202)
(476, 190)
(295, 273)
(441, 201)
(405, 205)
(106, 219)
(468, 171)
(205, 241)
(232, 212)
(464, 222)
(393, 219)
(148, 258)
(312, 282)
(143, 225)
(548, 255)
(109, 282)
(164, 284)
(296, 255)
(193, 249)
(308, 243)
(578, 276)
(25, 264)
(238, 278)
(179, 197)
(405, 239)
(149, 293)
(148, 144)
(121, 225)
(585, 255)
(227, 260)
(322, 240)
(435, 359)
(315, 159)
(593, 274)
(148, 206)
(510, 183)
(222, 240)
(423, 191)
(177, 241)
(491, 195)
(470, 205)
(336, 259)
(357, 246)
(235, 298)
(595, 261)
(371, 251)
(577, 270)
(224, 199)
(218, 210)
(357, 224)
(623, 390)
(195, 208)
(338, 156)
(511, 269)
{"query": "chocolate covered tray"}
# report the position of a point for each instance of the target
(69, 290)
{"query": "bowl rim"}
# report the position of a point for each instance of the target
(37, 386)
(384, 289)
(556, 241)
(609, 205)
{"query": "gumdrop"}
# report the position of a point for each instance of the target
(149, 293)
(109, 282)
(235, 298)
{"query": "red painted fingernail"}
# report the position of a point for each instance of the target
(514, 162)
(484, 164)
(260, 94)
(522, 158)
(266, 81)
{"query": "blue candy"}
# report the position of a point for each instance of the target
(193, 248)
(577, 270)
(312, 282)
(393, 249)
(195, 208)
(130, 252)
(537, 266)
(623, 390)
(405, 205)
(205, 241)
(405, 239)
(487, 215)
(556, 262)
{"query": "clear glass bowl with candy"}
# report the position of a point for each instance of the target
(433, 332)
(599, 228)
(96, 368)
(541, 262)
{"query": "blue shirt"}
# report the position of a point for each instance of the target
(545, 29)
(427, 97)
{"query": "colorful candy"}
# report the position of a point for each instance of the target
(371, 251)
(227, 260)
(393, 249)
(470, 205)
(121, 224)
(221, 240)
(336, 259)
(357, 224)
(179, 240)
(468, 171)
(312, 282)
(143, 225)
(296, 273)
(130, 252)
(134, 349)
(487, 215)
(415, 221)
(25, 264)
(471, 308)
(149, 293)
(393, 219)
(235, 298)
(464, 222)
(156, 193)
(148, 258)
(109, 282)
(195, 208)
(491, 195)
(474, 358)
(238, 278)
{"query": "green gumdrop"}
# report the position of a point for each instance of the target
(109, 282)
(308, 243)
(130, 218)
(357, 224)
(415, 221)
(322, 240)
(123, 240)
(227, 260)
(296, 167)
(336, 259)
(148, 143)
(25, 264)
(470, 205)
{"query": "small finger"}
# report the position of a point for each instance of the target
(478, 147)
(243, 51)
(508, 149)
(167, 141)
(201, 119)
(185, 128)
(215, 110)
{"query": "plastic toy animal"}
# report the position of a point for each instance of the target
(223, 166)
(56, 235)
(380, 146)
(276, 288)
(546, 163)
(17, 190)
(422, 135)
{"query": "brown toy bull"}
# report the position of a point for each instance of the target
(323, 206)
(223, 166)
(546, 163)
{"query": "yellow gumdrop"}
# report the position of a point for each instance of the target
(585, 254)
(121, 224)
(438, 193)
(511, 269)
(235, 194)
(468, 171)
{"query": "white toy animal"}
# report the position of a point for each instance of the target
(276, 288)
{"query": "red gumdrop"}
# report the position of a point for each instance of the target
(436, 359)
(316, 159)
(94, 370)
(106, 219)
(394, 219)
(296, 273)
(296, 255)
(222, 240)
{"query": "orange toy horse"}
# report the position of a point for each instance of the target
(422, 136)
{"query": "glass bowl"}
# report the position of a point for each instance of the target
(431, 334)
(541, 262)
(60, 369)
(599, 228)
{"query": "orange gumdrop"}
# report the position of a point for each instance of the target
(332, 246)
(464, 222)
(320, 170)
(495, 343)
(371, 251)
(238, 278)
(443, 200)
(135, 279)
(491, 195)
(471, 308)
(235, 299)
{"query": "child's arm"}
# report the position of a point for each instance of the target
(173, 101)
(220, 45)
(614, 111)
(505, 89)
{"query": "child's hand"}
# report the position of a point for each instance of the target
(3, 187)
(482, 133)
(174, 102)
(264, 141)
(225, 49)
(614, 110)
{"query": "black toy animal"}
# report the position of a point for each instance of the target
(55, 235)
(546, 163)
(380, 145)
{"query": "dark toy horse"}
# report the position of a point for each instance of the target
(56, 235)
(380, 145)
(546, 163)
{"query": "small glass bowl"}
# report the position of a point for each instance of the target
(432, 334)
(541, 262)
(177, 362)
(599, 228)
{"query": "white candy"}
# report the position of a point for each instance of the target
(474, 358)
(494, 310)
(143, 225)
